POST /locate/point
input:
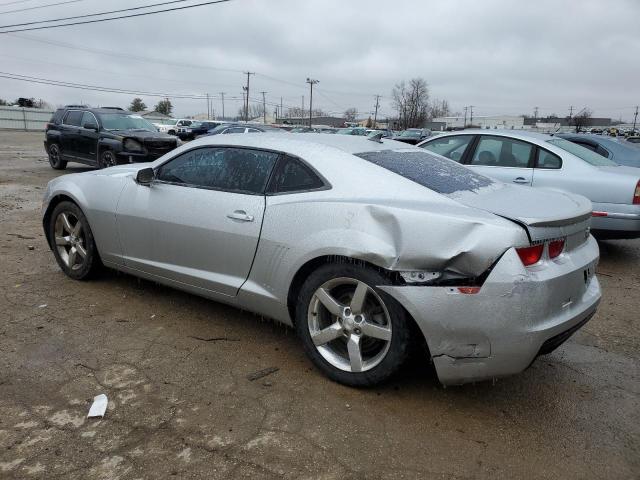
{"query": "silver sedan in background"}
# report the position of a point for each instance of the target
(551, 162)
(364, 246)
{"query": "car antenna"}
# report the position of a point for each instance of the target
(376, 138)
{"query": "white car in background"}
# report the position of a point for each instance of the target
(174, 126)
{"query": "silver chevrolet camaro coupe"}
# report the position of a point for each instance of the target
(365, 246)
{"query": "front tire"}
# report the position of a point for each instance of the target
(72, 241)
(353, 332)
(55, 157)
(107, 159)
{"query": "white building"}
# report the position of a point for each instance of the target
(510, 122)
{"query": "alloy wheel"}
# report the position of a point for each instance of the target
(349, 324)
(54, 154)
(108, 159)
(70, 240)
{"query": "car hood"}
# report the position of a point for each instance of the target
(544, 213)
(143, 134)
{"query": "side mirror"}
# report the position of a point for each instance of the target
(145, 176)
(90, 126)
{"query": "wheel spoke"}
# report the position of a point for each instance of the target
(329, 302)
(376, 331)
(77, 229)
(81, 251)
(72, 256)
(65, 222)
(63, 241)
(355, 356)
(359, 296)
(327, 334)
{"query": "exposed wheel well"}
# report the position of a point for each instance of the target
(47, 214)
(306, 269)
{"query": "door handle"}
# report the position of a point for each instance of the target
(520, 180)
(240, 215)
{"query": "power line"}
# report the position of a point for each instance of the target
(39, 6)
(95, 14)
(173, 9)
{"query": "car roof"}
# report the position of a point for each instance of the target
(300, 143)
(518, 134)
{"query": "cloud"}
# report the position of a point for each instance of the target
(500, 56)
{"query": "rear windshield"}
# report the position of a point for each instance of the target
(581, 152)
(432, 171)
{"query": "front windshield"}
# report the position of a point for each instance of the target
(585, 154)
(196, 124)
(115, 121)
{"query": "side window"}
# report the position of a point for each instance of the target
(231, 169)
(450, 147)
(253, 130)
(73, 117)
(502, 152)
(548, 160)
(88, 117)
(294, 176)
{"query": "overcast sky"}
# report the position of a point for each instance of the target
(503, 57)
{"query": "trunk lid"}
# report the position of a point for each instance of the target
(545, 214)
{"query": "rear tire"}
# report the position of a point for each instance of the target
(55, 157)
(72, 241)
(352, 331)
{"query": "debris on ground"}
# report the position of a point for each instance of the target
(99, 406)
(215, 339)
(262, 373)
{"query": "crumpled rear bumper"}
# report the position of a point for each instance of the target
(500, 330)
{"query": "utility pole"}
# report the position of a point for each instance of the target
(635, 118)
(465, 117)
(264, 108)
(375, 115)
(302, 111)
(246, 104)
(208, 108)
(471, 115)
(311, 83)
(281, 110)
(570, 113)
(222, 95)
(535, 113)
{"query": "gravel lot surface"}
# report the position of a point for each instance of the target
(175, 368)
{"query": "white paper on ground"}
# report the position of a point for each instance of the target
(99, 406)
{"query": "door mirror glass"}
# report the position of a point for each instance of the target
(90, 126)
(145, 176)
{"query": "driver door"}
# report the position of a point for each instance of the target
(199, 222)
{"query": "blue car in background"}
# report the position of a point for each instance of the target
(617, 150)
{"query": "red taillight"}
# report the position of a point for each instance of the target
(599, 214)
(555, 248)
(636, 194)
(530, 255)
(469, 290)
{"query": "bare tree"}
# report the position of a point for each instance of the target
(350, 114)
(439, 108)
(255, 111)
(582, 119)
(411, 102)
(297, 112)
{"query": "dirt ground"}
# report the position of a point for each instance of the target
(175, 368)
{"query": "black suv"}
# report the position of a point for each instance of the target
(102, 136)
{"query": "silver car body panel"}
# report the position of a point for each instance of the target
(183, 237)
(610, 188)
